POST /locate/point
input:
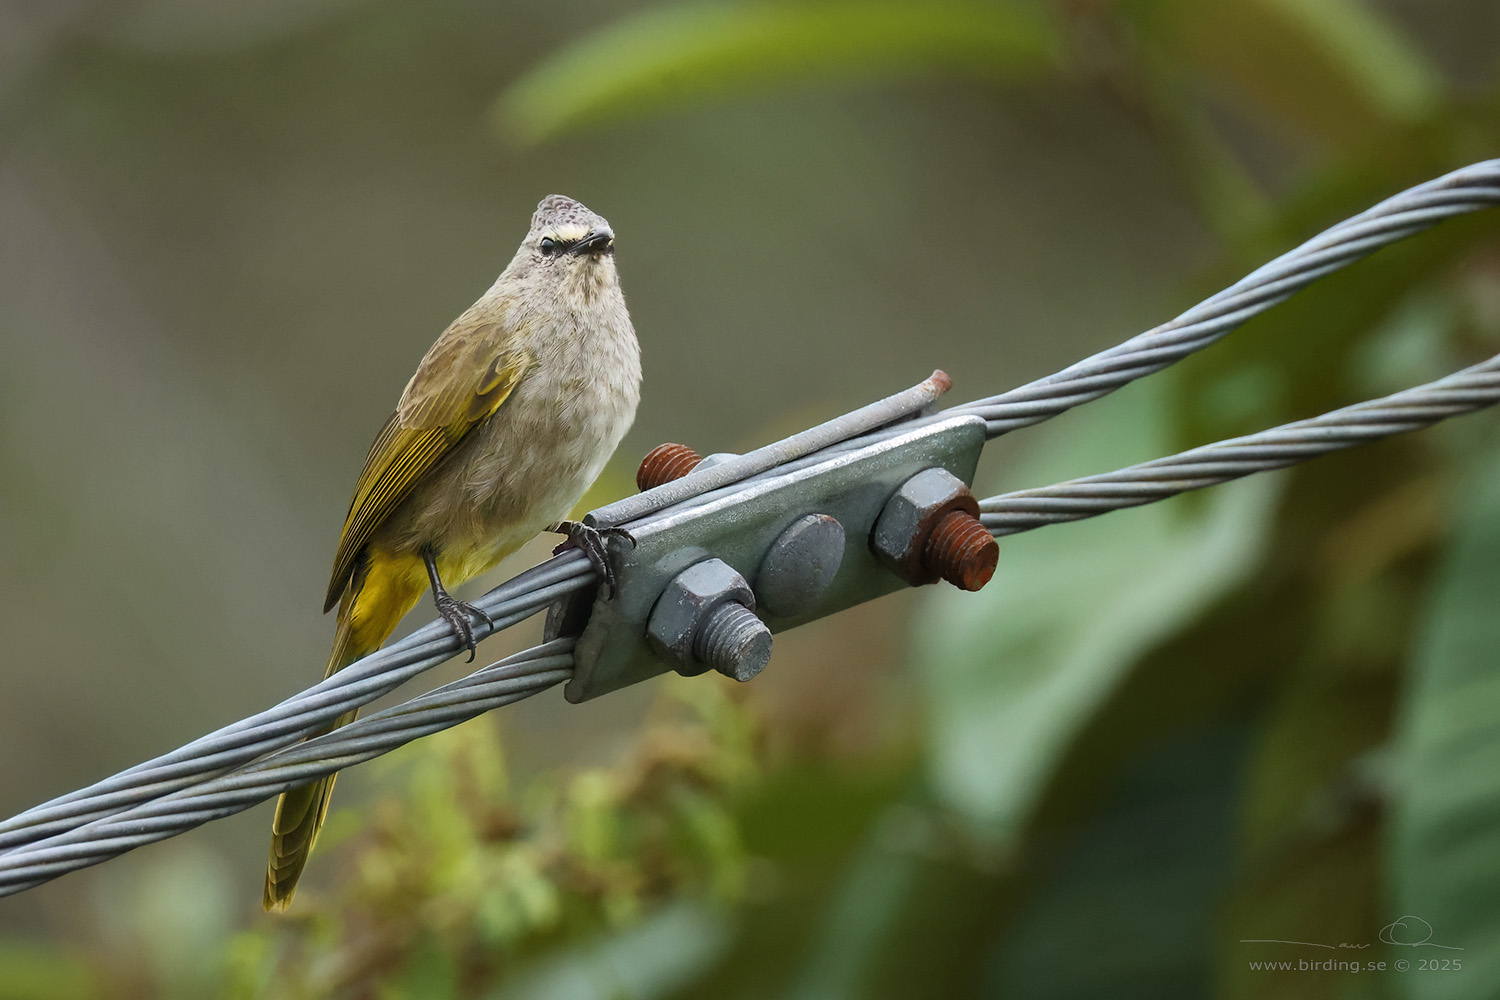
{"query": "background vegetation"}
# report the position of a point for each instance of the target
(1271, 711)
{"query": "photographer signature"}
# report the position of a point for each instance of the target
(1406, 932)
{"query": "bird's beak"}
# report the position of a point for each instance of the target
(597, 241)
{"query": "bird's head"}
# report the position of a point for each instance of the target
(566, 236)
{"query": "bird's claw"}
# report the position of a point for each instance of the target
(591, 541)
(457, 613)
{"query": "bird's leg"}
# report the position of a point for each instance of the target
(455, 612)
(591, 541)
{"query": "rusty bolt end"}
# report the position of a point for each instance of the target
(962, 551)
(665, 463)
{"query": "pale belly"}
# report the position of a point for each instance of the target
(514, 475)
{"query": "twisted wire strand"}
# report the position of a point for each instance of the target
(1402, 215)
(214, 776)
(302, 714)
(1405, 214)
(1464, 391)
(509, 680)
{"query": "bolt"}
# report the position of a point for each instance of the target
(800, 565)
(665, 463)
(695, 625)
(961, 550)
(734, 641)
(906, 540)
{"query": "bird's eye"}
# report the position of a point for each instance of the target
(548, 245)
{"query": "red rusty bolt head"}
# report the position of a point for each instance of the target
(906, 539)
(665, 463)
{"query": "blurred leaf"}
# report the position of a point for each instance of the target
(32, 972)
(873, 892)
(1015, 672)
(428, 975)
(657, 958)
(1336, 68)
(674, 54)
(187, 905)
(1127, 911)
(459, 879)
(249, 964)
(1310, 824)
(801, 824)
(1445, 849)
(1370, 52)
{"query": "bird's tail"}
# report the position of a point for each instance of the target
(371, 608)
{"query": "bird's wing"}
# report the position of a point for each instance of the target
(461, 382)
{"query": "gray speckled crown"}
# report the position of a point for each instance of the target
(560, 210)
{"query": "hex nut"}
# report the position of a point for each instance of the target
(687, 603)
(900, 535)
(800, 565)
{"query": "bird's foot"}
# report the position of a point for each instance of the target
(457, 614)
(591, 541)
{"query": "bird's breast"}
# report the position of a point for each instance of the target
(527, 465)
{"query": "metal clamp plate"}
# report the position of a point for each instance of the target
(740, 526)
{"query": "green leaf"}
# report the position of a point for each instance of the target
(659, 957)
(1014, 673)
(1309, 831)
(1336, 68)
(676, 54)
(1367, 51)
(1127, 906)
(874, 891)
(1445, 848)
(34, 972)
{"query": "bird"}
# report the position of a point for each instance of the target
(511, 415)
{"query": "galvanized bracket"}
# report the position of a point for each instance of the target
(852, 485)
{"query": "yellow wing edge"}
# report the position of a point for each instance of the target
(402, 455)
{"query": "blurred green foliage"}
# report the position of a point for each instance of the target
(681, 54)
(1445, 824)
(1073, 614)
(458, 878)
(1158, 744)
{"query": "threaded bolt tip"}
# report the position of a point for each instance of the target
(734, 641)
(665, 463)
(962, 551)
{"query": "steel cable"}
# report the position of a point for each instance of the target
(1462, 392)
(1465, 190)
(220, 774)
(1402, 215)
(287, 722)
(511, 679)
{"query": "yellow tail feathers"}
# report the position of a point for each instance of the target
(372, 606)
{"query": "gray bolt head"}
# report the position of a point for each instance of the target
(800, 565)
(909, 517)
(686, 604)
